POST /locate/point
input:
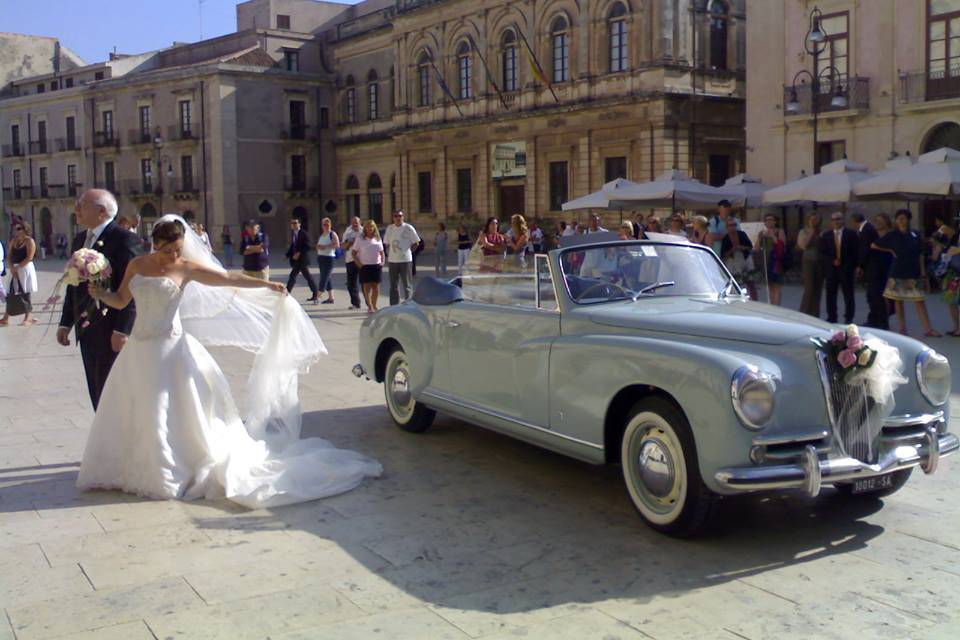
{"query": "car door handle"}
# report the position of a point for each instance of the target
(453, 324)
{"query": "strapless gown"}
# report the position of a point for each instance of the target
(167, 425)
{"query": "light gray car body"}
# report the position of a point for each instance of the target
(565, 379)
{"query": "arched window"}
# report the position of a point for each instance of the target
(508, 60)
(350, 100)
(423, 79)
(375, 198)
(718, 34)
(560, 47)
(352, 196)
(617, 28)
(373, 95)
(464, 71)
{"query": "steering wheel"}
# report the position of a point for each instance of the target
(613, 289)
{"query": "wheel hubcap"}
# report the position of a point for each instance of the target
(399, 396)
(656, 468)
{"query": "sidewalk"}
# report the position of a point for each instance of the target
(469, 534)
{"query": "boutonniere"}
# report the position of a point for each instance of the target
(99, 243)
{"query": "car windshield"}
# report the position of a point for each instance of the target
(632, 270)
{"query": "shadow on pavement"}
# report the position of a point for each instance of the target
(469, 519)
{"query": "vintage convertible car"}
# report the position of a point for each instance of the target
(648, 354)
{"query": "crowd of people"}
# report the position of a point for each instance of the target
(895, 264)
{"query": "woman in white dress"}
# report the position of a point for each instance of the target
(167, 425)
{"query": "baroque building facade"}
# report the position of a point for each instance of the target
(895, 63)
(459, 109)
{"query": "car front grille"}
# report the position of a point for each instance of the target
(849, 408)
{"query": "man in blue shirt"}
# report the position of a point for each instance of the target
(717, 225)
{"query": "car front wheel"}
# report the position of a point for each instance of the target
(660, 469)
(406, 412)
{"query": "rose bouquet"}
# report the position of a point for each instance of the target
(85, 265)
(848, 349)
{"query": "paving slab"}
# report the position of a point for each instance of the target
(468, 534)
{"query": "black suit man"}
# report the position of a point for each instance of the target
(840, 253)
(872, 267)
(299, 254)
(100, 337)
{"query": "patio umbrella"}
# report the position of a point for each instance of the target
(936, 173)
(601, 199)
(749, 191)
(833, 184)
(673, 189)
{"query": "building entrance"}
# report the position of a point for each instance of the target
(511, 202)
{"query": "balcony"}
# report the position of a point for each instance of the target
(13, 150)
(855, 90)
(184, 188)
(296, 132)
(103, 139)
(140, 136)
(301, 187)
(16, 194)
(178, 132)
(66, 144)
(39, 147)
(920, 86)
(139, 188)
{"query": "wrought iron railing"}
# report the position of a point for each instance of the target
(855, 91)
(921, 86)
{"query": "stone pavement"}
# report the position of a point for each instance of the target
(468, 534)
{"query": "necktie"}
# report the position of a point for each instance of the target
(836, 239)
(91, 238)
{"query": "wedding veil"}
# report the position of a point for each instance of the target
(274, 327)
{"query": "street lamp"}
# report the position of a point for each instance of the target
(815, 44)
(158, 146)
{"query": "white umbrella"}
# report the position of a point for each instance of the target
(834, 183)
(936, 173)
(671, 190)
(749, 191)
(601, 199)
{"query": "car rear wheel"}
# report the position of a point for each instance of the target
(406, 412)
(660, 469)
(898, 478)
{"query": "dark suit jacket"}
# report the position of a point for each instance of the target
(849, 249)
(868, 235)
(119, 246)
(302, 245)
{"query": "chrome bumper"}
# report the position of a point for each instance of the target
(811, 472)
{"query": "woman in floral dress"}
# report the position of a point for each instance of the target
(907, 279)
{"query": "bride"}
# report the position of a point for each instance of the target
(167, 425)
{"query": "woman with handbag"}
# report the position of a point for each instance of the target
(23, 275)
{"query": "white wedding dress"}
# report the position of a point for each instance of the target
(167, 425)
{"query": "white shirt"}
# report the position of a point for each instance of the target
(399, 240)
(599, 229)
(95, 233)
(350, 235)
(569, 231)
(326, 238)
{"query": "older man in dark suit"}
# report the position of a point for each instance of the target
(102, 337)
(840, 253)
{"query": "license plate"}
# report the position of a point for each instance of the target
(875, 483)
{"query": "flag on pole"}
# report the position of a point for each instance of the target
(535, 66)
(486, 68)
(442, 83)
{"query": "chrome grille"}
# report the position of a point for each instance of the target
(849, 408)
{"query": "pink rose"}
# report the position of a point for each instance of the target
(839, 336)
(854, 343)
(85, 324)
(847, 358)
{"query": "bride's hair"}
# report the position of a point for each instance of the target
(167, 231)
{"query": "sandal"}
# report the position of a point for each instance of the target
(933, 333)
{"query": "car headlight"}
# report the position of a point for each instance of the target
(753, 393)
(933, 377)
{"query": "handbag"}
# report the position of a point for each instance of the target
(18, 304)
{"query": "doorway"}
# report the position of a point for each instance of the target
(511, 201)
